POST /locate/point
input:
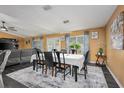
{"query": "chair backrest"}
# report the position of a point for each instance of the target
(54, 52)
(86, 58)
(49, 58)
(41, 55)
(58, 53)
(4, 55)
(38, 52)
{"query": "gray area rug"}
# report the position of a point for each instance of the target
(33, 79)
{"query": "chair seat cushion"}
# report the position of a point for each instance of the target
(62, 65)
(40, 61)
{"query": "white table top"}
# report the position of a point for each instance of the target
(73, 56)
(72, 59)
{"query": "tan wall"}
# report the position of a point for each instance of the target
(20, 39)
(29, 44)
(94, 44)
(115, 58)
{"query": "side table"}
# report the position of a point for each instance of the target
(99, 63)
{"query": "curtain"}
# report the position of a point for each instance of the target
(67, 38)
(86, 42)
(37, 43)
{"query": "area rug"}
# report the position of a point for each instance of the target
(33, 79)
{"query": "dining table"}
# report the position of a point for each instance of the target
(75, 60)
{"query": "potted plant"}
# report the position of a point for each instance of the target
(100, 52)
(74, 47)
(77, 46)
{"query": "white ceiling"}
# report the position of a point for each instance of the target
(32, 20)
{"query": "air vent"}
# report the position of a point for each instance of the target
(66, 21)
(47, 7)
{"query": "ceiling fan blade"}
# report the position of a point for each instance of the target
(6, 28)
(12, 28)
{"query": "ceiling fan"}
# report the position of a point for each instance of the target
(5, 28)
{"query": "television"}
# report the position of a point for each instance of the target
(6, 44)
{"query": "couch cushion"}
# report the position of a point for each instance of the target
(26, 55)
(26, 52)
(14, 57)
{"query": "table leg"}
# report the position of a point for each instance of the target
(33, 65)
(36, 64)
(103, 63)
(97, 62)
(75, 71)
(72, 71)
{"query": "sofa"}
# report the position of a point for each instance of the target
(19, 56)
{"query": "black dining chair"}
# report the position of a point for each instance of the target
(39, 61)
(62, 67)
(4, 55)
(51, 64)
(85, 64)
(74, 68)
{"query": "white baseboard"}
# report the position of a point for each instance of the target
(118, 82)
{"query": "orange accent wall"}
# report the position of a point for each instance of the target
(115, 58)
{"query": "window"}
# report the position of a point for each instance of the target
(77, 40)
(53, 43)
(37, 44)
(72, 40)
(83, 40)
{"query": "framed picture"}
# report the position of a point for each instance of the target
(117, 32)
(94, 35)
